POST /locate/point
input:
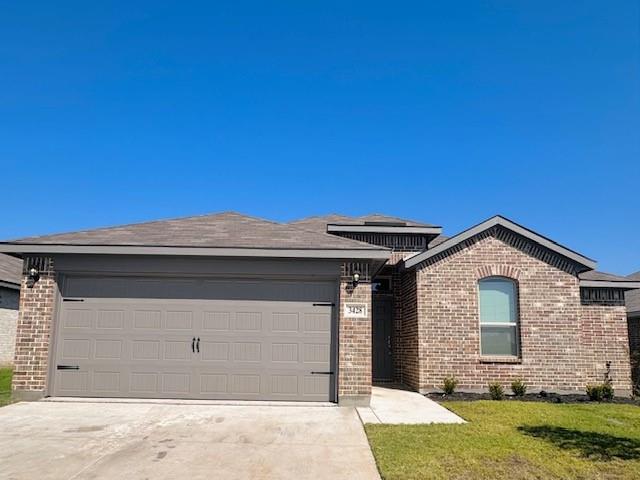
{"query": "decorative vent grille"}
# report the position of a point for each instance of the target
(406, 242)
(602, 296)
(44, 265)
(363, 268)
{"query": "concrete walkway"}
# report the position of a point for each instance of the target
(398, 406)
(87, 440)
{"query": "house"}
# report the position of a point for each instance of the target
(10, 275)
(227, 306)
(633, 315)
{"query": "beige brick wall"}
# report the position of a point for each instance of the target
(406, 353)
(634, 347)
(354, 346)
(564, 345)
(33, 332)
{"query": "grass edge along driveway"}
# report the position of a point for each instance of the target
(5, 385)
(514, 440)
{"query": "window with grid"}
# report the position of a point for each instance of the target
(498, 317)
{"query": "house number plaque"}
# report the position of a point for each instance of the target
(355, 310)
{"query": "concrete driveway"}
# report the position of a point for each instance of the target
(52, 440)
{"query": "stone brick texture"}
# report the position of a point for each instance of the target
(634, 347)
(34, 330)
(9, 299)
(563, 344)
(354, 347)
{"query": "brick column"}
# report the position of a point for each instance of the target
(354, 343)
(34, 330)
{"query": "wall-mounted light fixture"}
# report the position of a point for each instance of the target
(34, 276)
(356, 278)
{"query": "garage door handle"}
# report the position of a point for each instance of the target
(198, 345)
(68, 367)
(193, 344)
(321, 373)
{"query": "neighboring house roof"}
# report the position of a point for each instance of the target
(601, 279)
(585, 262)
(632, 297)
(10, 271)
(367, 223)
(226, 233)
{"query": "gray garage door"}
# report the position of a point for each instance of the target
(194, 338)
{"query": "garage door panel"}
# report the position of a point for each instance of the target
(284, 352)
(147, 320)
(144, 383)
(76, 348)
(144, 347)
(218, 321)
(314, 385)
(176, 383)
(107, 382)
(78, 318)
(213, 351)
(179, 320)
(108, 349)
(74, 383)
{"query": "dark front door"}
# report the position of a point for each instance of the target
(382, 331)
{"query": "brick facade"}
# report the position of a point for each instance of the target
(408, 341)
(634, 347)
(33, 331)
(354, 345)
(564, 344)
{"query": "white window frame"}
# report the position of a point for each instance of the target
(515, 324)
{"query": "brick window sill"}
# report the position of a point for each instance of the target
(500, 359)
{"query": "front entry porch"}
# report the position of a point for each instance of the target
(382, 327)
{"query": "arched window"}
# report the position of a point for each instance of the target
(498, 316)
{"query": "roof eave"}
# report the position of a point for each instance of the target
(610, 284)
(501, 221)
(13, 286)
(380, 254)
(384, 229)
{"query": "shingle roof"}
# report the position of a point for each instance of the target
(10, 269)
(632, 297)
(228, 230)
(602, 276)
(319, 223)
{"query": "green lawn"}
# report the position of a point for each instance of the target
(515, 440)
(5, 386)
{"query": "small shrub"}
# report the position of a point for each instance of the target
(607, 391)
(594, 392)
(518, 387)
(449, 385)
(496, 391)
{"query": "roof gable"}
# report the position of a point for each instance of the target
(546, 245)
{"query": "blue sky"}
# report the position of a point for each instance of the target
(447, 112)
